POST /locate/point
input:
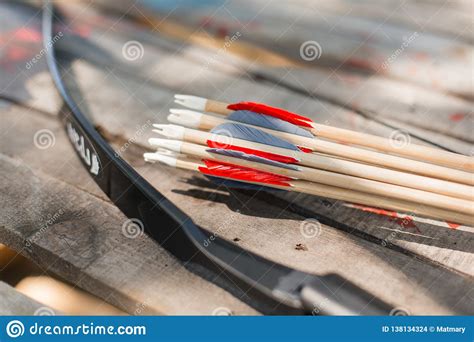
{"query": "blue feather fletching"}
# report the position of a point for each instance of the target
(266, 121)
(243, 132)
(251, 157)
(240, 185)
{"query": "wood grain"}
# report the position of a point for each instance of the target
(79, 237)
(421, 265)
(437, 117)
(87, 238)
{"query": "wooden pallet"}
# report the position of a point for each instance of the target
(54, 214)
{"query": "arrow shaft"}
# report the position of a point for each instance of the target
(208, 122)
(413, 151)
(340, 180)
(345, 166)
(351, 196)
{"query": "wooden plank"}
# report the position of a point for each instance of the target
(443, 18)
(132, 115)
(272, 27)
(13, 303)
(447, 119)
(413, 106)
(79, 237)
(119, 104)
(23, 76)
(86, 240)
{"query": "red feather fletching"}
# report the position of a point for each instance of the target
(241, 173)
(279, 113)
(305, 149)
(267, 155)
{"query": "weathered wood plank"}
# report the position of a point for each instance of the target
(118, 108)
(413, 106)
(86, 240)
(14, 303)
(119, 103)
(23, 75)
(79, 237)
(446, 18)
(439, 115)
(277, 234)
(274, 28)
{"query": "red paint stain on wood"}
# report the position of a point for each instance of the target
(348, 79)
(359, 64)
(24, 43)
(220, 30)
(27, 35)
(456, 117)
(18, 46)
(421, 56)
(405, 222)
(452, 225)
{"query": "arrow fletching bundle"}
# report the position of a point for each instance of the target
(243, 174)
(247, 135)
(273, 112)
(236, 131)
(366, 141)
